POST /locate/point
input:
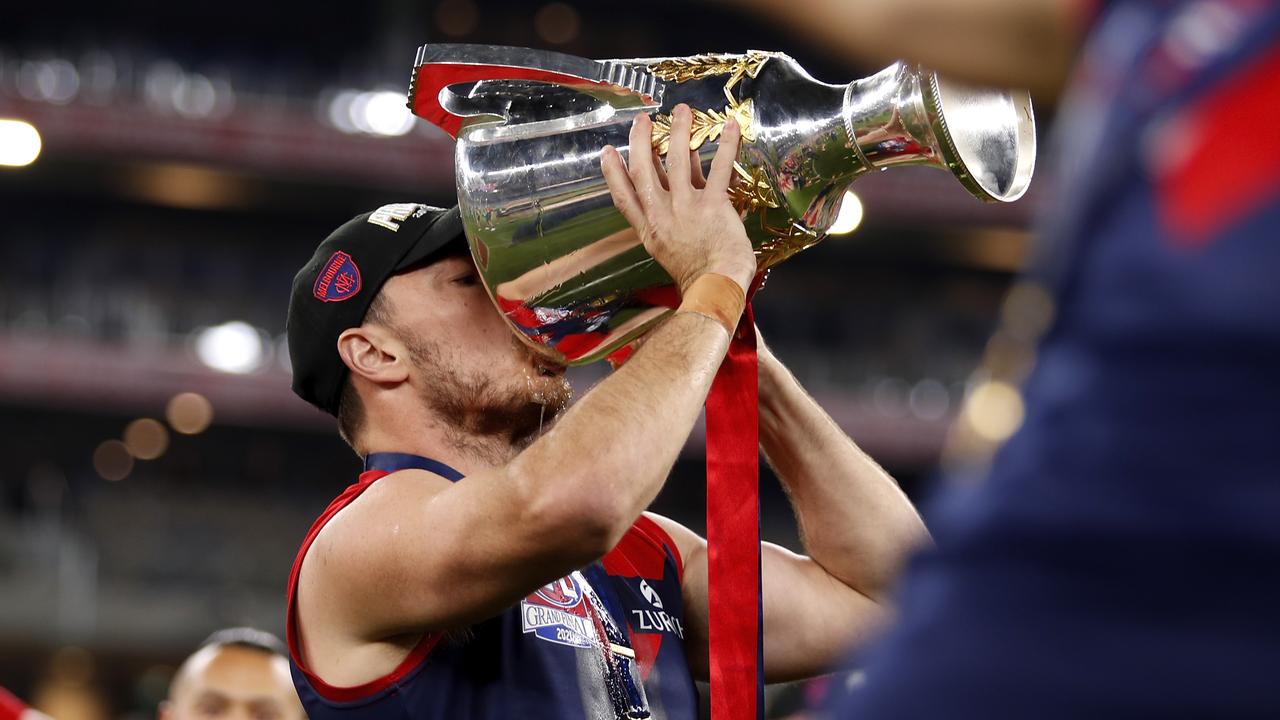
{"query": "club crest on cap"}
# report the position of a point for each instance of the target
(338, 280)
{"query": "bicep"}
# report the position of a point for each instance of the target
(418, 553)
(810, 618)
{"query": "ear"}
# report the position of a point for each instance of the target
(165, 710)
(373, 353)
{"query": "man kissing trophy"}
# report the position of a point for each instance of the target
(575, 282)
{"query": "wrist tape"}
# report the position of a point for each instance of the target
(715, 296)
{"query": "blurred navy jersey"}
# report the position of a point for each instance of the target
(546, 657)
(1122, 559)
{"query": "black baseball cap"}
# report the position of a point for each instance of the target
(334, 290)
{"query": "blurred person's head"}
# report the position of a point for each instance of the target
(411, 340)
(68, 689)
(236, 674)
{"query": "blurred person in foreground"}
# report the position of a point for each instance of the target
(1120, 558)
(13, 708)
(536, 586)
(237, 674)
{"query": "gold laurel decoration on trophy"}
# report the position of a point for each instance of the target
(707, 125)
(751, 192)
(683, 69)
(701, 66)
(782, 243)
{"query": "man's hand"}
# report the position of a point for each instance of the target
(685, 220)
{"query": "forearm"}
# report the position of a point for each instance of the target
(1025, 43)
(614, 448)
(854, 519)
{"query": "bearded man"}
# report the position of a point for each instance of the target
(494, 560)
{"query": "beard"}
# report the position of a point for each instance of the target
(477, 405)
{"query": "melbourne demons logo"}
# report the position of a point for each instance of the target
(339, 280)
(557, 612)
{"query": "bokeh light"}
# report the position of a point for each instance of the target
(20, 143)
(377, 112)
(339, 110)
(146, 439)
(557, 23)
(54, 81)
(189, 413)
(994, 410)
(233, 347)
(385, 113)
(112, 461)
(929, 399)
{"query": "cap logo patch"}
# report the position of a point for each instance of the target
(390, 216)
(339, 280)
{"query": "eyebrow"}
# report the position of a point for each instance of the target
(258, 701)
(208, 694)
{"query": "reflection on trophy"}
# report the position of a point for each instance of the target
(560, 261)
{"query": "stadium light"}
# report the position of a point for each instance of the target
(374, 112)
(233, 347)
(19, 143)
(384, 113)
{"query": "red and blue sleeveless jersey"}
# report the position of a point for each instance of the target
(606, 641)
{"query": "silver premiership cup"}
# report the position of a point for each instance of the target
(558, 259)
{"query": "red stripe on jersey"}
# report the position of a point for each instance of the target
(647, 646)
(1232, 164)
(352, 693)
(642, 552)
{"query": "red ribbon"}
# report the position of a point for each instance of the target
(733, 532)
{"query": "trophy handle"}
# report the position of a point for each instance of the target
(439, 70)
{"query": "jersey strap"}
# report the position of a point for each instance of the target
(390, 462)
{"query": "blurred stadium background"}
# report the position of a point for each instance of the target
(156, 473)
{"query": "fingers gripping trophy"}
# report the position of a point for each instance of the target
(561, 261)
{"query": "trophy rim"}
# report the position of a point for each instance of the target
(954, 155)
